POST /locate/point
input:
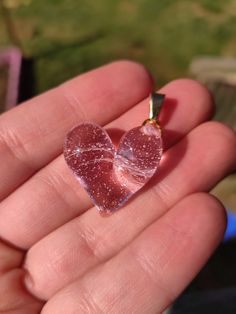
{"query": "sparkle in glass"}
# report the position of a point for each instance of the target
(112, 176)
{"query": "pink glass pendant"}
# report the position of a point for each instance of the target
(109, 175)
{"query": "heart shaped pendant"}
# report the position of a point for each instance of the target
(109, 175)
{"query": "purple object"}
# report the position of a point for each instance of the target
(11, 59)
(231, 226)
(112, 176)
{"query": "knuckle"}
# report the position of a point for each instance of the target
(10, 141)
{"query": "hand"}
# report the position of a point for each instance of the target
(137, 260)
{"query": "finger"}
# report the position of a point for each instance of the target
(14, 297)
(187, 104)
(9, 258)
(154, 269)
(32, 134)
(88, 240)
(55, 189)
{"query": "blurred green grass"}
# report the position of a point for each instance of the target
(68, 37)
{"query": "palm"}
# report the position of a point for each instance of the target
(144, 255)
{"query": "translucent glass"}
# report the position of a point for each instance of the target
(112, 176)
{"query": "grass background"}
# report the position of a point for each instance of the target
(67, 37)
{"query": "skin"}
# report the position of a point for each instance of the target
(57, 254)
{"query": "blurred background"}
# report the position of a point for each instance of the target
(66, 37)
(46, 42)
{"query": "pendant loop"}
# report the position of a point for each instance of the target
(156, 102)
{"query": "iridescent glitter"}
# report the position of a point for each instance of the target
(111, 177)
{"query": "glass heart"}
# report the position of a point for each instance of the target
(112, 176)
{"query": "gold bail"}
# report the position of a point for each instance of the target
(156, 102)
(155, 105)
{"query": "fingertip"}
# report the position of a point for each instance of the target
(129, 82)
(210, 213)
(192, 87)
(141, 76)
(222, 131)
(130, 66)
(223, 139)
(200, 218)
(195, 94)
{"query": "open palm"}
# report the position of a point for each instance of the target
(57, 254)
